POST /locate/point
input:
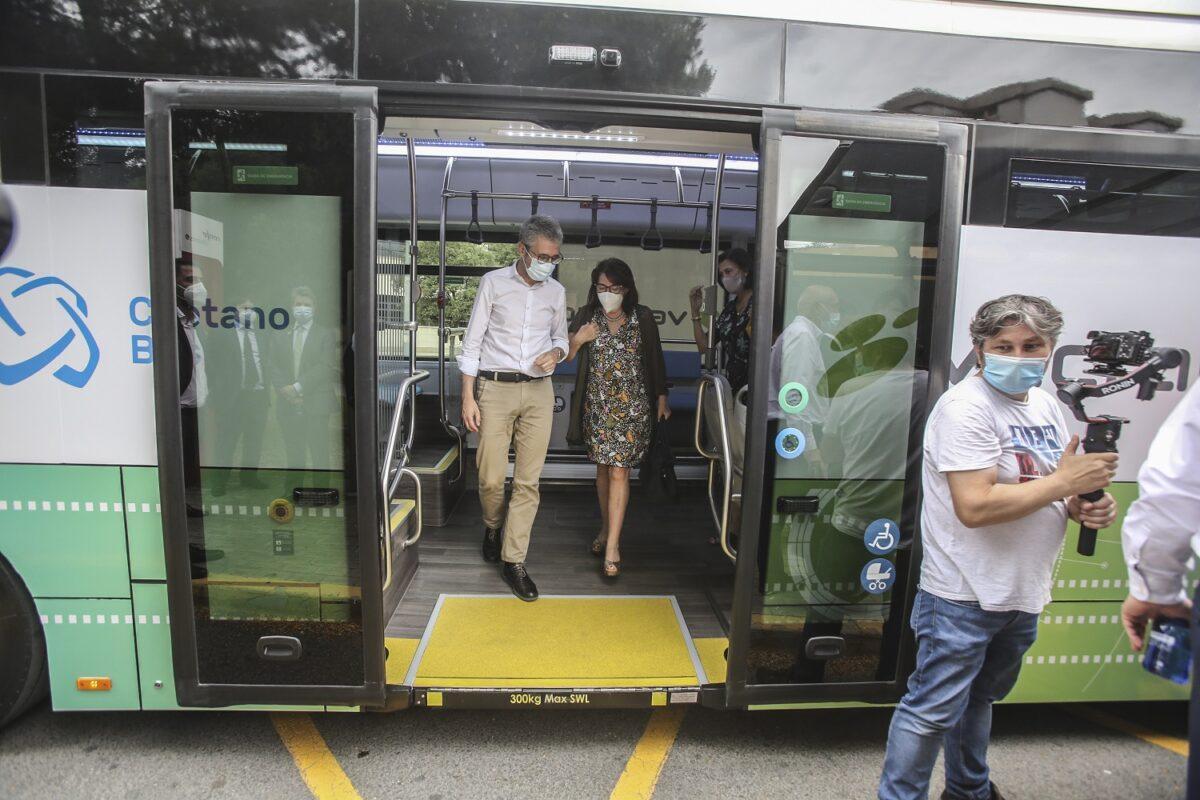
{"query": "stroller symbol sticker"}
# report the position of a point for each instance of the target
(882, 536)
(878, 576)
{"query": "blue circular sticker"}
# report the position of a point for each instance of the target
(877, 576)
(785, 397)
(882, 536)
(790, 443)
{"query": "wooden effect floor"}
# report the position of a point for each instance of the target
(664, 551)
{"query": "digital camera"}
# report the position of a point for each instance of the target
(1111, 353)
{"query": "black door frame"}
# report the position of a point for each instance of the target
(954, 138)
(160, 99)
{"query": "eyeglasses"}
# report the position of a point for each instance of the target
(555, 260)
(614, 289)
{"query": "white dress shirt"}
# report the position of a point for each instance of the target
(1162, 528)
(512, 323)
(196, 391)
(247, 337)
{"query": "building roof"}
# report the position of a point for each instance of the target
(973, 105)
(1126, 119)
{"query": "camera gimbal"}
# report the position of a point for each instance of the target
(1104, 430)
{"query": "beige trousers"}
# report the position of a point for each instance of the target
(520, 415)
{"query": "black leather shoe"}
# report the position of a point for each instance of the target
(518, 580)
(995, 793)
(491, 545)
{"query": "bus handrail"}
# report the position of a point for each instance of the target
(388, 484)
(450, 427)
(721, 519)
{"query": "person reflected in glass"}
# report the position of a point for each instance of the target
(240, 395)
(190, 296)
(620, 393)
(304, 371)
(798, 359)
(735, 270)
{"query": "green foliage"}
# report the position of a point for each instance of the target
(465, 254)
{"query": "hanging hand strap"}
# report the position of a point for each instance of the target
(474, 232)
(593, 234)
(658, 243)
(533, 204)
(706, 242)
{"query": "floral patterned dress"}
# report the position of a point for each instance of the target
(616, 410)
(733, 334)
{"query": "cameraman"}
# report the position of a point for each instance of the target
(1159, 536)
(998, 487)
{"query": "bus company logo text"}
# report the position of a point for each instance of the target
(211, 316)
(43, 327)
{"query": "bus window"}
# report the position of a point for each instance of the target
(1061, 196)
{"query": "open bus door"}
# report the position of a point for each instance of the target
(858, 232)
(265, 389)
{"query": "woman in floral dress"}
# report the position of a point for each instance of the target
(620, 393)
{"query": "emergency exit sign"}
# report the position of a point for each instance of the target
(861, 201)
(266, 175)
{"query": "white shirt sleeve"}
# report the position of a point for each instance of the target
(558, 327)
(963, 438)
(468, 357)
(1162, 526)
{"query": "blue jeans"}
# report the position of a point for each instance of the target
(967, 658)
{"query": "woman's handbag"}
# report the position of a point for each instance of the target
(657, 472)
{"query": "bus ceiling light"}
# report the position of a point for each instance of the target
(738, 163)
(523, 133)
(573, 54)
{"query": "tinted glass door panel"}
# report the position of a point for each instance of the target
(265, 210)
(858, 223)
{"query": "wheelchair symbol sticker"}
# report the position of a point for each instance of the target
(877, 576)
(882, 536)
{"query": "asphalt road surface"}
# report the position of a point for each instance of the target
(1054, 751)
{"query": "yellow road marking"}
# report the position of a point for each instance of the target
(1172, 743)
(319, 769)
(641, 773)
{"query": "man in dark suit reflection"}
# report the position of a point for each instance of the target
(304, 370)
(240, 394)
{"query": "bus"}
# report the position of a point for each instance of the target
(299, 529)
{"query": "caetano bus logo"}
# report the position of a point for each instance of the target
(42, 327)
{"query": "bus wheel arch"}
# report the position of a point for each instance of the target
(24, 673)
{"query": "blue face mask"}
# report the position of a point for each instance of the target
(1013, 375)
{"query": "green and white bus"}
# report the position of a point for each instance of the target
(218, 540)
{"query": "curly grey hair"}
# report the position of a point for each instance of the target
(540, 225)
(1016, 309)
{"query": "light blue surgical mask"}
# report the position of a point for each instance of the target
(539, 270)
(1013, 375)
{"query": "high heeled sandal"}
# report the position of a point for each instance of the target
(611, 568)
(598, 546)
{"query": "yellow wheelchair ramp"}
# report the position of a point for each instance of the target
(558, 642)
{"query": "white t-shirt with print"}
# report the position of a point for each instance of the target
(1004, 567)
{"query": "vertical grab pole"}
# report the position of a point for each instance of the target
(710, 357)
(413, 287)
(441, 299)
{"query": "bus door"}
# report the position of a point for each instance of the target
(262, 240)
(858, 231)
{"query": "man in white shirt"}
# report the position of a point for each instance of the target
(516, 336)
(1000, 480)
(1159, 536)
(304, 372)
(240, 396)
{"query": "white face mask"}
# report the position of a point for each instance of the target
(610, 300)
(539, 270)
(835, 319)
(196, 294)
(732, 283)
(302, 313)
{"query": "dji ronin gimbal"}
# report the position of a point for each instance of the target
(1112, 353)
